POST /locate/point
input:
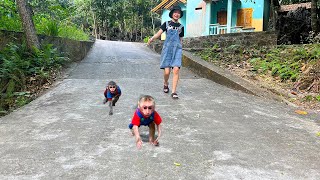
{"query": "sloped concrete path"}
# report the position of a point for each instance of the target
(213, 132)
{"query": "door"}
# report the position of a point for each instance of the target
(222, 17)
(222, 20)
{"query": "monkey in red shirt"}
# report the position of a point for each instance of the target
(146, 115)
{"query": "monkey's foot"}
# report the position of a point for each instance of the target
(155, 143)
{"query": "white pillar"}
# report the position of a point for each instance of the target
(208, 17)
(229, 16)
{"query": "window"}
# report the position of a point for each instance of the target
(244, 17)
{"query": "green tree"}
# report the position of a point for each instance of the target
(124, 19)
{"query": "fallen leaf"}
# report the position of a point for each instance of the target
(177, 164)
(301, 112)
(293, 92)
(303, 67)
(318, 134)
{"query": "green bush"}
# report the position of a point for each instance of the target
(284, 61)
(146, 39)
(46, 26)
(53, 28)
(17, 66)
(10, 24)
(72, 32)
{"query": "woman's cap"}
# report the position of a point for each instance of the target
(175, 8)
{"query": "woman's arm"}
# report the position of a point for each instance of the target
(156, 36)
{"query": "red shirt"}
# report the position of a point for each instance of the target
(136, 119)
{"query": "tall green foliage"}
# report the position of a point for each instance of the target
(124, 19)
(51, 17)
(9, 18)
(111, 19)
(18, 68)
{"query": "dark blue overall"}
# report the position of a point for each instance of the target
(143, 121)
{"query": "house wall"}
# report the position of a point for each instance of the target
(197, 20)
(257, 14)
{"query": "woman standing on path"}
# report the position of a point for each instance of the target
(171, 55)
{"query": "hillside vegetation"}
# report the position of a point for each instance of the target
(292, 71)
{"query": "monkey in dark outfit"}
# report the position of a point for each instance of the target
(112, 94)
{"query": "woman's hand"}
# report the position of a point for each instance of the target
(150, 41)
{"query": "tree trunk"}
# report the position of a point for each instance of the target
(152, 21)
(314, 18)
(136, 29)
(95, 29)
(141, 33)
(273, 16)
(125, 30)
(27, 24)
(105, 30)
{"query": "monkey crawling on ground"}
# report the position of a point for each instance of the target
(112, 94)
(146, 115)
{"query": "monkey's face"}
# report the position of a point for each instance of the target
(146, 108)
(112, 89)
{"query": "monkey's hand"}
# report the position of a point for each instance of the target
(139, 143)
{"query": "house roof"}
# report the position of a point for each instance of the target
(291, 7)
(167, 4)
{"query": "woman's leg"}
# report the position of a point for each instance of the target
(175, 79)
(166, 74)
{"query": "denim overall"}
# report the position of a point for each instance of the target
(171, 54)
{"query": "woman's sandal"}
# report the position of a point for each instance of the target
(174, 96)
(165, 88)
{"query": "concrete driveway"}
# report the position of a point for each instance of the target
(211, 132)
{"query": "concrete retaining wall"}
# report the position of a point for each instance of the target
(224, 40)
(75, 50)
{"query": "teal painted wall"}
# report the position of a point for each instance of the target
(222, 5)
(165, 16)
(197, 20)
